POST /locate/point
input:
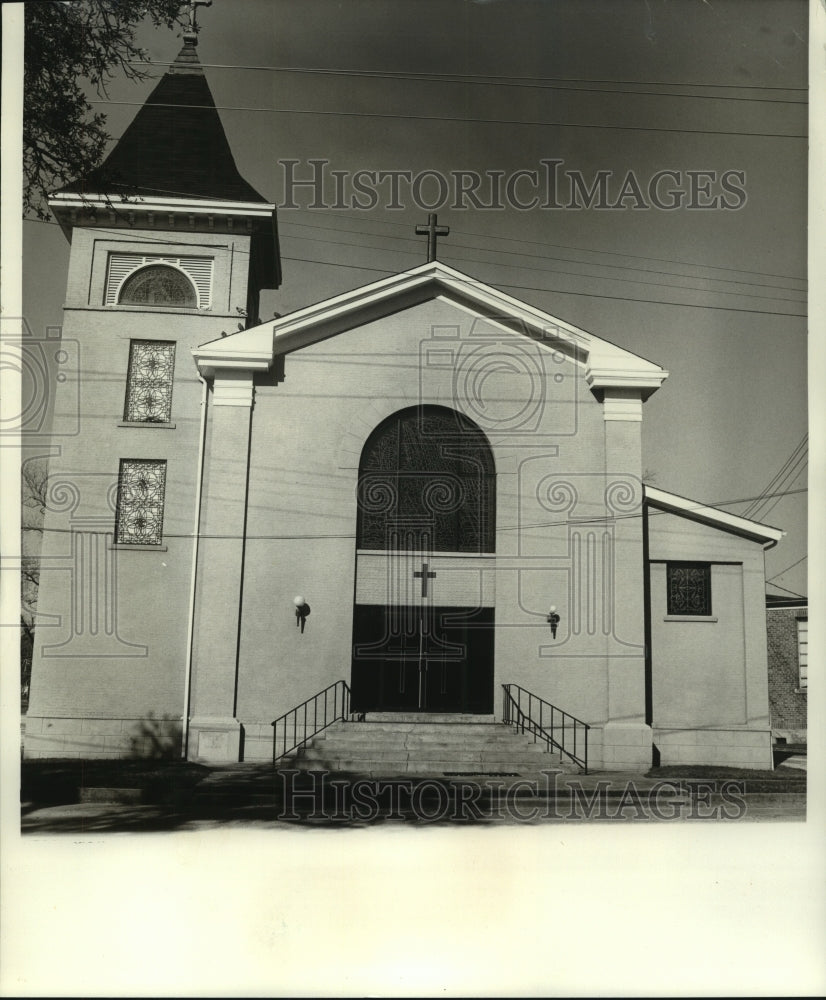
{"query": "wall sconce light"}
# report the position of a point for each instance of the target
(302, 609)
(553, 620)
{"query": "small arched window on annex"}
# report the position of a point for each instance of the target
(158, 285)
(427, 481)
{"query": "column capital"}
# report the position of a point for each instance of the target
(644, 380)
(622, 403)
(233, 387)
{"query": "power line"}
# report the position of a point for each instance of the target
(544, 270)
(764, 513)
(794, 593)
(778, 480)
(786, 570)
(799, 465)
(529, 288)
(564, 246)
(562, 291)
(461, 121)
(537, 256)
(790, 461)
(488, 77)
(529, 83)
(520, 527)
(508, 239)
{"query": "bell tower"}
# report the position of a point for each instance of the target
(170, 249)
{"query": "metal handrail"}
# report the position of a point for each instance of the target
(340, 709)
(525, 721)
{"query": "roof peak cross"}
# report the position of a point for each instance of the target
(431, 231)
(191, 30)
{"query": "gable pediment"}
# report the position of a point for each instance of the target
(606, 365)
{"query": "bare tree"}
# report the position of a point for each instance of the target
(34, 480)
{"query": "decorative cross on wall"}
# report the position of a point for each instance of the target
(431, 231)
(424, 575)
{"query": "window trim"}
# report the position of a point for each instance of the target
(128, 547)
(133, 342)
(157, 424)
(690, 618)
(117, 540)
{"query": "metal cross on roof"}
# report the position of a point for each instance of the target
(431, 231)
(193, 11)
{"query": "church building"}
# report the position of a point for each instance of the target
(422, 495)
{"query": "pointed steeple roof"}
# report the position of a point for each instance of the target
(175, 147)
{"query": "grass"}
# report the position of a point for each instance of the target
(787, 780)
(58, 781)
(170, 783)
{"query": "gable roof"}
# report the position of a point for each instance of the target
(671, 503)
(778, 602)
(175, 146)
(607, 366)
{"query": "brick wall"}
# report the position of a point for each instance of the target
(787, 703)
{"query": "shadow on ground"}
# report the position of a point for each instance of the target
(93, 797)
(60, 796)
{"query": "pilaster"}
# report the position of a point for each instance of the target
(627, 739)
(214, 732)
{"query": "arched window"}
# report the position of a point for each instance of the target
(427, 481)
(158, 285)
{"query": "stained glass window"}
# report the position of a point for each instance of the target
(427, 482)
(689, 589)
(158, 285)
(149, 381)
(141, 488)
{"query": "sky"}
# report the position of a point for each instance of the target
(716, 295)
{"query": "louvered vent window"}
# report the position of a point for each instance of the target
(136, 279)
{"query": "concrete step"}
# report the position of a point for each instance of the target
(362, 738)
(431, 718)
(442, 747)
(435, 753)
(413, 743)
(376, 768)
(428, 753)
(483, 729)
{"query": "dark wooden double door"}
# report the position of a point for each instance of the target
(422, 658)
(425, 531)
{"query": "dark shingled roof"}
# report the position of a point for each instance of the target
(175, 147)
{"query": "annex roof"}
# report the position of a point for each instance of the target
(673, 504)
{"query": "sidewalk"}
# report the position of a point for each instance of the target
(190, 797)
